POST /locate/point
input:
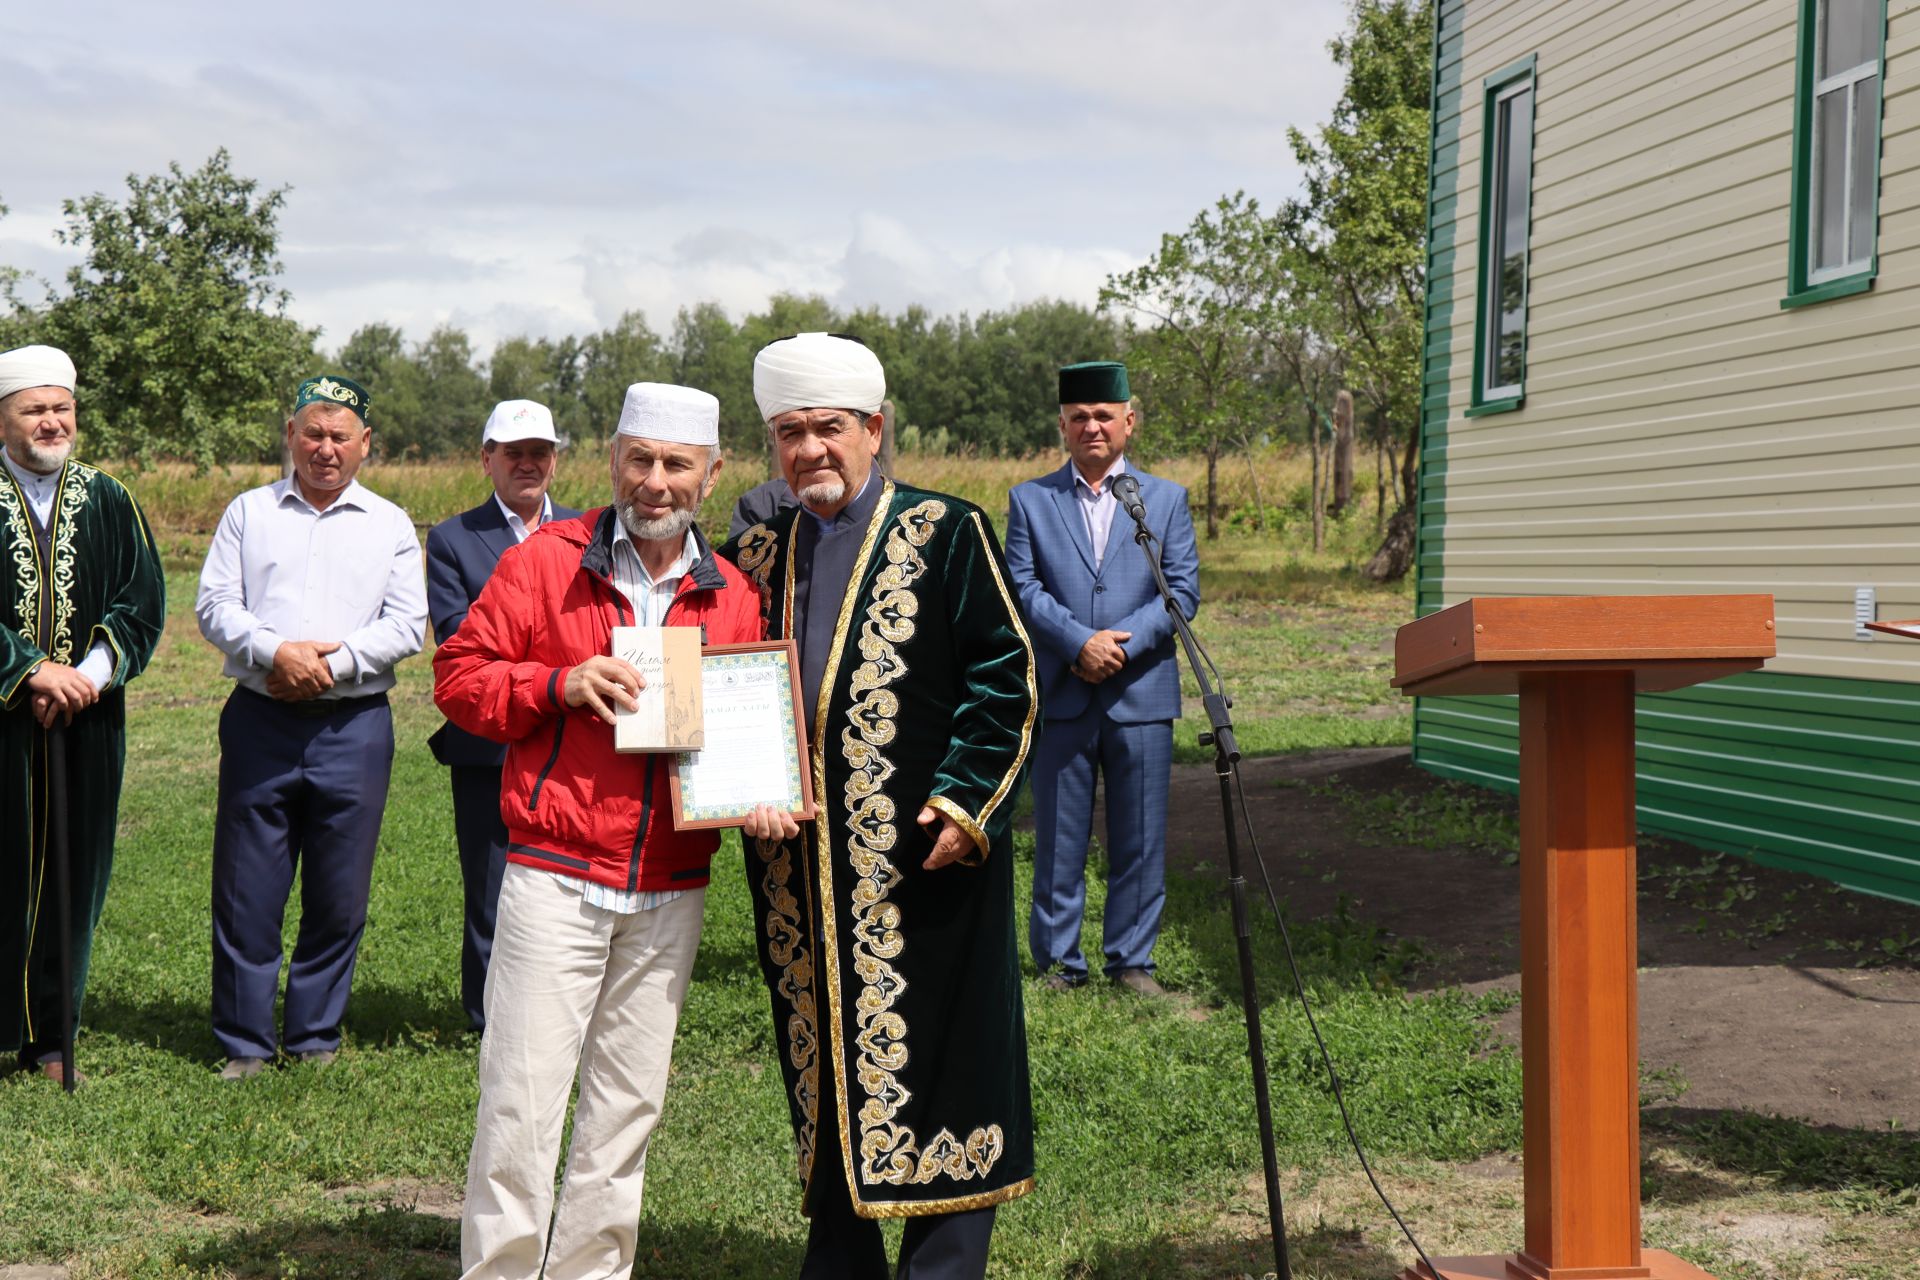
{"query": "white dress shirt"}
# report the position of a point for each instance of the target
(518, 526)
(97, 666)
(1097, 507)
(281, 570)
(649, 597)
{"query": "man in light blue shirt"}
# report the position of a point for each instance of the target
(312, 589)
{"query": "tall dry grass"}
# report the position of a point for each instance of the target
(177, 501)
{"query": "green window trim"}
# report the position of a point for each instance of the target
(1505, 399)
(1802, 289)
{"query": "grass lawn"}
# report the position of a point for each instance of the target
(1148, 1163)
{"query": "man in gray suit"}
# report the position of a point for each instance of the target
(518, 452)
(1108, 675)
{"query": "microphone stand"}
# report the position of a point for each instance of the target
(1226, 759)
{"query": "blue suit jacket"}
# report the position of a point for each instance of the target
(461, 553)
(1064, 601)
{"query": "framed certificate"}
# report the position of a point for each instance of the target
(756, 740)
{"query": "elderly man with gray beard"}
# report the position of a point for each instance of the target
(81, 607)
(600, 903)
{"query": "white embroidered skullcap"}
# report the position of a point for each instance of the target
(518, 420)
(817, 371)
(673, 415)
(25, 367)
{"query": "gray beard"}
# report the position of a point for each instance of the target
(45, 461)
(674, 524)
(824, 494)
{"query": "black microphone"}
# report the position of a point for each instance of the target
(1126, 491)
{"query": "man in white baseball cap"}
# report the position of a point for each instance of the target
(518, 452)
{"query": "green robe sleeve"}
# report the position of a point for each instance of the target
(17, 661)
(133, 586)
(994, 721)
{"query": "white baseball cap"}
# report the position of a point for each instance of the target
(518, 420)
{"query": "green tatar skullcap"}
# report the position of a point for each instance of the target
(1094, 382)
(331, 388)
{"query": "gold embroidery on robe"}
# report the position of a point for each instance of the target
(785, 944)
(73, 496)
(889, 1153)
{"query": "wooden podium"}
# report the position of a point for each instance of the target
(1576, 662)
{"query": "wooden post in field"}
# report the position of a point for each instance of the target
(886, 439)
(1576, 663)
(1342, 453)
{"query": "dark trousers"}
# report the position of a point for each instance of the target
(841, 1245)
(1135, 760)
(302, 788)
(482, 837)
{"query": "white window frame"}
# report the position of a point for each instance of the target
(1857, 257)
(1502, 142)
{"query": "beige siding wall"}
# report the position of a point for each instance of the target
(1682, 432)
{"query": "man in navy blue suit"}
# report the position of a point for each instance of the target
(1108, 676)
(518, 452)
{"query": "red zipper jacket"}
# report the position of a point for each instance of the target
(573, 805)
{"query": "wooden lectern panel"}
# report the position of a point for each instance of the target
(1485, 645)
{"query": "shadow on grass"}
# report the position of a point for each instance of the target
(388, 1244)
(1795, 1153)
(376, 1015)
(692, 1252)
(1327, 1253)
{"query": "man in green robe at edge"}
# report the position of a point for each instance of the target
(886, 926)
(81, 609)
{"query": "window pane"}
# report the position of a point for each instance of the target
(1848, 34)
(1829, 179)
(1866, 145)
(1517, 154)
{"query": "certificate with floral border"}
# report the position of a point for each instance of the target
(756, 742)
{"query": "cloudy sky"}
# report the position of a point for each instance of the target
(542, 168)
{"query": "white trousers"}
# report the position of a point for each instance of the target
(569, 986)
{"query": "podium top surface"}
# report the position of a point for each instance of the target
(1486, 645)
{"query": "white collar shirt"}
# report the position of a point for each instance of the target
(280, 569)
(38, 488)
(518, 526)
(648, 595)
(1097, 506)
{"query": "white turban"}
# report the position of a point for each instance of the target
(673, 415)
(817, 371)
(25, 367)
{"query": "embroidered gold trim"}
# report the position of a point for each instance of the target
(954, 1204)
(786, 946)
(26, 557)
(73, 496)
(963, 820)
(1033, 683)
(823, 824)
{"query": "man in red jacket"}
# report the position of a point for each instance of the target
(600, 903)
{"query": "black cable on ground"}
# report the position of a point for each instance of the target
(1300, 990)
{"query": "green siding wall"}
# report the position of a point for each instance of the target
(1816, 773)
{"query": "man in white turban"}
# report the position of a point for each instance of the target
(82, 601)
(894, 977)
(600, 902)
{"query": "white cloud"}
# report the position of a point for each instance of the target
(543, 170)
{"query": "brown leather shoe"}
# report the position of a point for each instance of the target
(1062, 982)
(242, 1068)
(1140, 982)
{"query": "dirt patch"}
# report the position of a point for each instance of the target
(1748, 991)
(432, 1199)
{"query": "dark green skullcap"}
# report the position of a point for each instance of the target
(1094, 382)
(331, 388)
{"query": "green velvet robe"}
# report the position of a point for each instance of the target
(897, 987)
(93, 573)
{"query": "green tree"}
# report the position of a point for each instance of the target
(1359, 229)
(175, 317)
(1216, 298)
(376, 357)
